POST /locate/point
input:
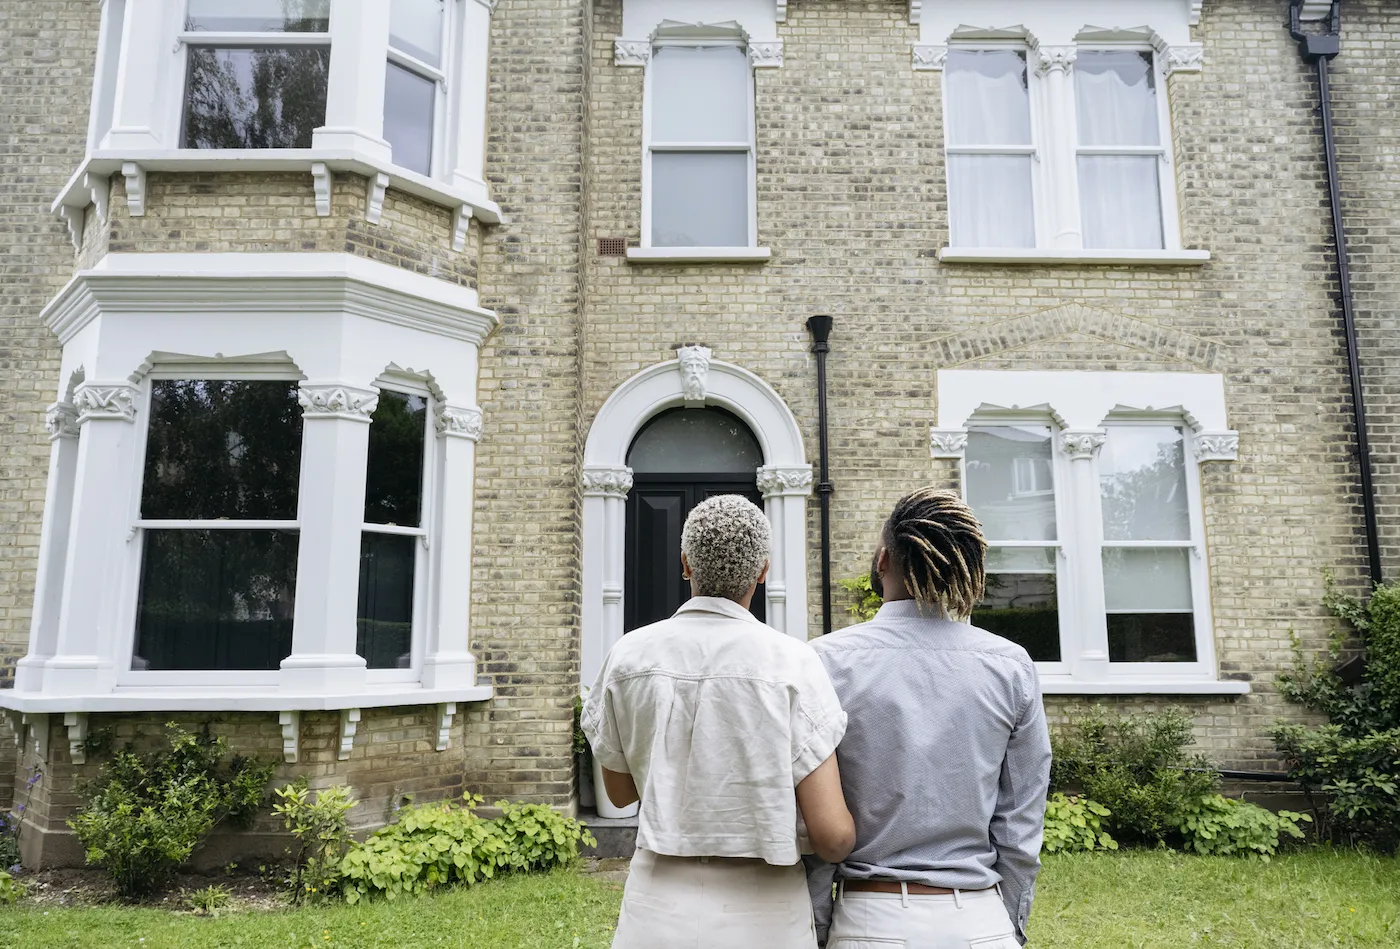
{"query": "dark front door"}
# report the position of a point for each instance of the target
(656, 512)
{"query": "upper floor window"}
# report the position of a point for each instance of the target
(415, 82)
(256, 72)
(698, 180)
(1120, 152)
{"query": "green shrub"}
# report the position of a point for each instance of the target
(1225, 826)
(10, 888)
(1075, 824)
(321, 827)
(1353, 762)
(444, 843)
(148, 812)
(865, 601)
(1136, 766)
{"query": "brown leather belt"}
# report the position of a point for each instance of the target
(893, 886)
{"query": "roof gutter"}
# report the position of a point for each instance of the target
(1319, 48)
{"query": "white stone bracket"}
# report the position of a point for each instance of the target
(445, 712)
(781, 12)
(38, 725)
(77, 725)
(99, 188)
(929, 58)
(766, 54)
(349, 724)
(631, 52)
(374, 198)
(73, 217)
(322, 180)
(135, 177)
(291, 735)
(461, 220)
(947, 442)
(16, 720)
(1216, 446)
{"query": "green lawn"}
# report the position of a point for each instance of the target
(1132, 900)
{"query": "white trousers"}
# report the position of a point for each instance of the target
(962, 920)
(713, 903)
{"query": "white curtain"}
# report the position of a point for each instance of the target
(1115, 99)
(1120, 202)
(988, 103)
(990, 201)
(1142, 580)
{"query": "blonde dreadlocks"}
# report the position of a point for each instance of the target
(936, 543)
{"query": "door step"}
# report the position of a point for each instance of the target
(617, 836)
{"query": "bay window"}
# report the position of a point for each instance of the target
(699, 178)
(1091, 506)
(414, 81)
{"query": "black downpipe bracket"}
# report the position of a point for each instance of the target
(1319, 48)
(820, 328)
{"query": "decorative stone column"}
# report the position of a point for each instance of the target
(785, 491)
(331, 509)
(355, 85)
(1082, 447)
(99, 526)
(447, 660)
(1055, 65)
(62, 423)
(605, 489)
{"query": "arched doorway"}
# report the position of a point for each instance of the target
(679, 458)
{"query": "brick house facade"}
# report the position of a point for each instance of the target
(524, 288)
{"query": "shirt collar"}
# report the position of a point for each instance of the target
(716, 604)
(909, 609)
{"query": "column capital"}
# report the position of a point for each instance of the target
(606, 481)
(930, 58)
(61, 420)
(459, 422)
(947, 442)
(1050, 59)
(784, 480)
(1082, 444)
(1216, 446)
(333, 400)
(97, 400)
(631, 52)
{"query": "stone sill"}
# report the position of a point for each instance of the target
(1037, 256)
(697, 255)
(235, 699)
(1050, 685)
(75, 194)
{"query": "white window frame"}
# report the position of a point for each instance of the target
(441, 77)
(649, 147)
(131, 585)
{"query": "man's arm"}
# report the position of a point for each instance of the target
(620, 788)
(1018, 823)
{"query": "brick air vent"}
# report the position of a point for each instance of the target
(612, 247)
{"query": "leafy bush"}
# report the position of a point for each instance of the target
(1353, 762)
(1074, 824)
(209, 901)
(321, 827)
(1136, 766)
(443, 844)
(149, 812)
(865, 601)
(1225, 826)
(10, 888)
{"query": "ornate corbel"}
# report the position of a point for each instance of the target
(349, 724)
(291, 735)
(947, 442)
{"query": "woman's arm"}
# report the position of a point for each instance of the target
(830, 826)
(620, 788)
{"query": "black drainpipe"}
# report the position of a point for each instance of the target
(820, 328)
(1320, 48)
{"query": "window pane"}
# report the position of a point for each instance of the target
(1142, 480)
(1023, 608)
(385, 618)
(222, 449)
(987, 96)
(1151, 637)
(259, 16)
(408, 118)
(700, 199)
(990, 203)
(216, 599)
(1021, 559)
(1011, 481)
(1116, 98)
(700, 94)
(1145, 580)
(394, 482)
(415, 28)
(1121, 201)
(695, 441)
(262, 97)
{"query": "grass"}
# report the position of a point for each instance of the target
(1131, 900)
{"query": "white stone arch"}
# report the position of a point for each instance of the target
(785, 481)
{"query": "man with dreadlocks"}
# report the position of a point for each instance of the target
(946, 758)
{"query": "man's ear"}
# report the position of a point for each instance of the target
(882, 560)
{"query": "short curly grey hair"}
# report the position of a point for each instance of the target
(726, 541)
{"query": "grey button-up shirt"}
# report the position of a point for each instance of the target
(946, 759)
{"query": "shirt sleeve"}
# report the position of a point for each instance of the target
(818, 722)
(1018, 823)
(600, 725)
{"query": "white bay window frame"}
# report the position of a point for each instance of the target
(1081, 409)
(346, 328)
(440, 76)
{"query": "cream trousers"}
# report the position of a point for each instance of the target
(713, 903)
(963, 920)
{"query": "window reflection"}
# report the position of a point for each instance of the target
(255, 97)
